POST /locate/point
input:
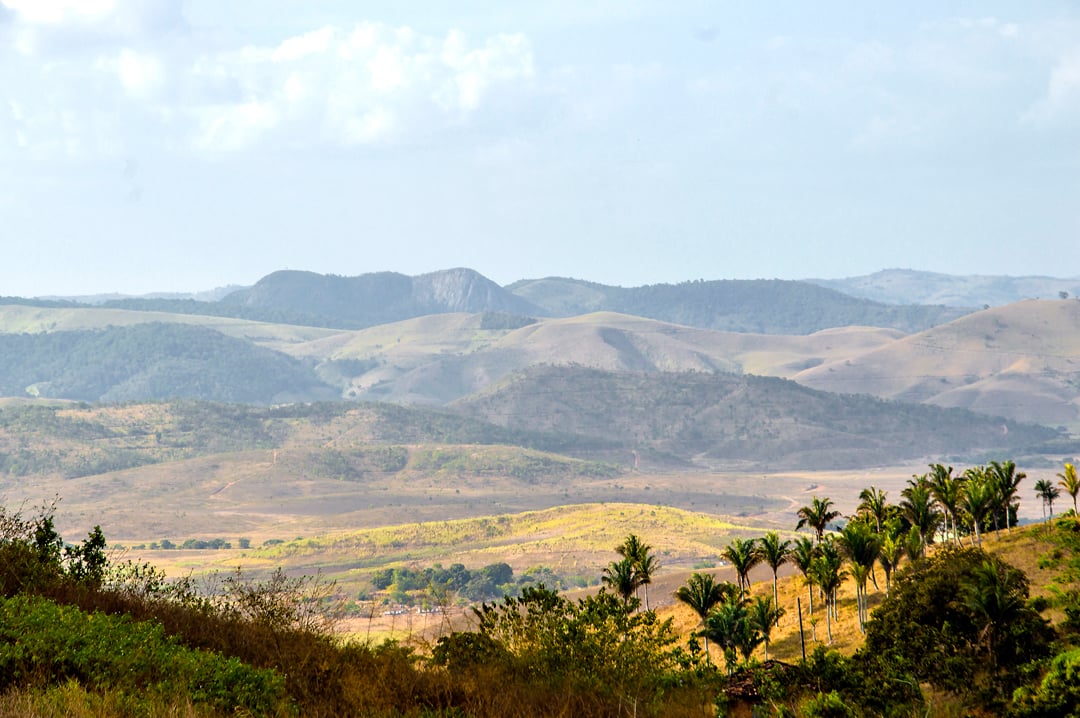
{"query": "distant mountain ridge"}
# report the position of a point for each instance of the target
(764, 306)
(758, 306)
(909, 286)
(380, 297)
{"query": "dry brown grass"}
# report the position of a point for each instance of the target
(1018, 360)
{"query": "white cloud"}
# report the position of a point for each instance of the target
(1060, 105)
(332, 86)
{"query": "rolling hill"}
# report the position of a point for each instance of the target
(1021, 361)
(440, 358)
(151, 361)
(727, 420)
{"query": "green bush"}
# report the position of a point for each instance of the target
(43, 644)
(1058, 695)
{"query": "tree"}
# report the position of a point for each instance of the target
(1070, 483)
(862, 548)
(702, 593)
(802, 554)
(743, 557)
(774, 553)
(946, 490)
(817, 516)
(927, 629)
(729, 627)
(827, 573)
(764, 616)
(874, 503)
(645, 563)
(977, 499)
(622, 578)
(892, 549)
(87, 562)
(1046, 491)
(996, 593)
(917, 507)
(1006, 482)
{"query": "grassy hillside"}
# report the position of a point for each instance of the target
(1020, 361)
(570, 540)
(439, 358)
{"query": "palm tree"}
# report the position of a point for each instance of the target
(1070, 483)
(764, 616)
(977, 499)
(817, 516)
(827, 573)
(702, 593)
(729, 626)
(645, 563)
(1006, 483)
(774, 553)
(892, 549)
(997, 595)
(1046, 491)
(917, 507)
(946, 489)
(873, 502)
(742, 556)
(802, 554)
(914, 547)
(623, 579)
(862, 548)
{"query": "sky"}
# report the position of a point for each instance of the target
(172, 145)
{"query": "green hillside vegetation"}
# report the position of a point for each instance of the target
(150, 361)
(762, 306)
(714, 418)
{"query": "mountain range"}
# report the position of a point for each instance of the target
(457, 340)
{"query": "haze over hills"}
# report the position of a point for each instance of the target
(760, 306)
(443, 356)
(764, 306)
(908, 286)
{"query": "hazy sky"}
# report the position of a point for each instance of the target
(163, 145)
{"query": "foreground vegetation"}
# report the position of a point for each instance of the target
(959, 632)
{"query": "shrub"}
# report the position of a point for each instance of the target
(43, 643)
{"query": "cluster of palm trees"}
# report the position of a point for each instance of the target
(729, 618)
(634, 571)
(940, 503)
(1048, 493)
